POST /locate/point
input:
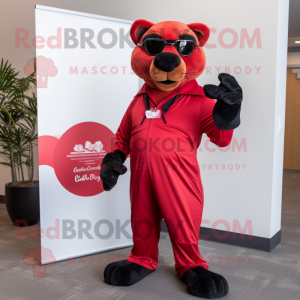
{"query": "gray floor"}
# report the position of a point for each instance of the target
(274, 276)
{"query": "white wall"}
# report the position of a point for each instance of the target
(280, 95)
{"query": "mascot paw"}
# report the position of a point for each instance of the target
(204, 283)
(124, 273)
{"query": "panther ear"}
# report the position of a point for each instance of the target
(202, 32)
(138, 28)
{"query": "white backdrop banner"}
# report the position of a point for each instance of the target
(84, 86)
(243, 182)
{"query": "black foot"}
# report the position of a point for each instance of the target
(124, 273)
(204, 283)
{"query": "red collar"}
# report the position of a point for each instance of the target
(190, 88)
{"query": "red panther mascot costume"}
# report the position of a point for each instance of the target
(162, 130)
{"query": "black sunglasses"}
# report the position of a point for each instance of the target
(155, 46)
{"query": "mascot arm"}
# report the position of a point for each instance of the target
(229, 95)
(221, 138)
(123, 135)
(112, 164)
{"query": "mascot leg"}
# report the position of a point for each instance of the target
(145, 222)
(183, 219)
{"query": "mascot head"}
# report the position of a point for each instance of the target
(168, 54)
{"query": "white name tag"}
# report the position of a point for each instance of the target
(153, 113)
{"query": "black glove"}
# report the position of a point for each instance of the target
(111, 167)
(229, 95)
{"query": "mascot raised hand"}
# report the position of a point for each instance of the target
(162, 130)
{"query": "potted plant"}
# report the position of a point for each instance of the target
(18, 119)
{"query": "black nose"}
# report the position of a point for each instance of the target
(167, 61)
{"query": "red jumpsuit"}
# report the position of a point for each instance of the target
(165, 176)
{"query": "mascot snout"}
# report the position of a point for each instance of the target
(167, 70)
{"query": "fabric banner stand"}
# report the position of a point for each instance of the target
(80, 60)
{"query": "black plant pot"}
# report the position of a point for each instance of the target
(23, 204)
